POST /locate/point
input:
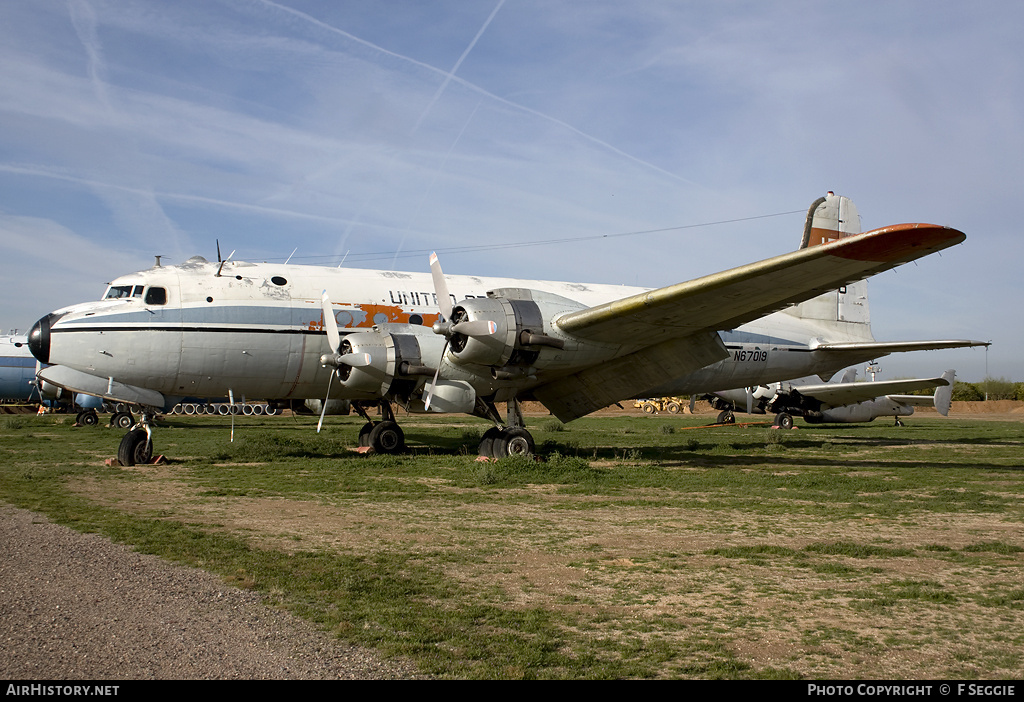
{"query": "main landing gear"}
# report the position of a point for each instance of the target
(511, 440)
(784, 420)
(384, 436)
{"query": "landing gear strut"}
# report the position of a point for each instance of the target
(384, 436)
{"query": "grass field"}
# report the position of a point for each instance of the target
(641, 546)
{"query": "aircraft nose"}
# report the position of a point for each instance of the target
(39, 339)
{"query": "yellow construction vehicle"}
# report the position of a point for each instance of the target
(672, 405)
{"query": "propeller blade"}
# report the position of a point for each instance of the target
(750, 401)
(433, 383)
(323, 409)
(444, 299)
(330, 323)
(478, 328)
(693, 402)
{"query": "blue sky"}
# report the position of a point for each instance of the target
(378, 131)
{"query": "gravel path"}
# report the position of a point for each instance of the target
(76, 606)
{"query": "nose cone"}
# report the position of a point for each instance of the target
(39, 339)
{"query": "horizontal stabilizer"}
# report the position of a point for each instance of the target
(108, 389)
(941, 400)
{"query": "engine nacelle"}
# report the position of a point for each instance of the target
(485, 350)
(522, 321)
(391, 362)
(368, 381)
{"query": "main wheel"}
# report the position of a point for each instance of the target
(364, 435)
(135, 448)
(487, 442)
(88, 418)
(513, 441)
(726, 417)
(784, 420)
(387, 437)
(124, 420)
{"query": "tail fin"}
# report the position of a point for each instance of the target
(944, 394)
(831, 218)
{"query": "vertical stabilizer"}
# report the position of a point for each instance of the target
(944, 394)
(831, 218)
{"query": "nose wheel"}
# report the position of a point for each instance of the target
(136, 447)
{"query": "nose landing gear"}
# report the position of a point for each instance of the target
(137, 445)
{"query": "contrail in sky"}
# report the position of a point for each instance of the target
(449, 76)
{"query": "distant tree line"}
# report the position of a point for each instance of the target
(990, 388)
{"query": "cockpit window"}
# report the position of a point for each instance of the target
(156, 296)
(115, 292)
(137, 292)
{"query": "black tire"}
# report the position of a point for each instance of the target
(673, 407)
(135, 448)
(514, 441)
(364, 435)
(123, 420)
(784, 420)
(648, 408)
(486, 448)
(88, 418)
(726, 417)
(387, 437)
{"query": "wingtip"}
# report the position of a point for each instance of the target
(900, 242)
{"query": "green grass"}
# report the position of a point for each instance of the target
(641, 547)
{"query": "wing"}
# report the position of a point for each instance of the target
(839, 394)
(883, 348)
(728, 299)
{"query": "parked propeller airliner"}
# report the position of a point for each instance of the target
(278, 331)
(842, 402)
(17, 369)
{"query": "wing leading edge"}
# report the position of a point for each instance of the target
(728, 299)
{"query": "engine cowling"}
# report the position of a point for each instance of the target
(388, 362)
(522, 322)
(367, 381)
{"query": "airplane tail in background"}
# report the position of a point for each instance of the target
(831, 218)
(944, 394)
(940, 400)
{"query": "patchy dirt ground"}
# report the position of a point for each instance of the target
(630, 567)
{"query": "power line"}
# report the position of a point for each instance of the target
(415, 253)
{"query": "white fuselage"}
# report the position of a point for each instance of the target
(256, 330)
